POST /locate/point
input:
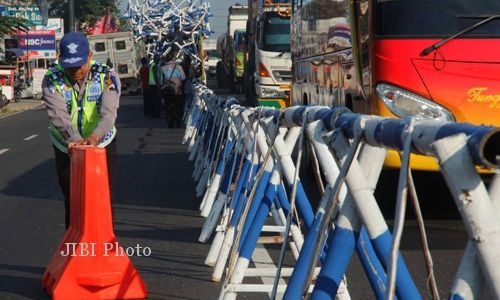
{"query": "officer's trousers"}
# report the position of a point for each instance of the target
(63, 168)
(154, 95)
(146, 100)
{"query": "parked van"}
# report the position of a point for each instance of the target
(119, 51)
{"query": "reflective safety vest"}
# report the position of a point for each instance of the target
(152, 80)
(85, 112)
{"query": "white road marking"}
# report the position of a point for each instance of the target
(2, 151)
(31, 137)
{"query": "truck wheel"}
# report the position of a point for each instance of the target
(250, 96)
(220, 83)
(240, 86)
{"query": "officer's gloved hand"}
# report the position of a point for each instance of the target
(92, 140)
(75, 143)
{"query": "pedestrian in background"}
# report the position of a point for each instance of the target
(109, 63)
(154, 87)
(82, 100)
(172, 79)
(144, 78)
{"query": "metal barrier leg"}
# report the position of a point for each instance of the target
(297, 236)
(374, 221)
(222, 164)
(347, 229)
(230, 233)
(288, 168)
(343, 241)
(213, 254)
(222, 197)
(469, 281)
(256, 201)
(472, 200)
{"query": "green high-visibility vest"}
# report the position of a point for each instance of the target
(85, 114)
(152, 80)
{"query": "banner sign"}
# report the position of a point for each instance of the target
(37, 40)
(56, 24)
(38, 43)
(29, 12)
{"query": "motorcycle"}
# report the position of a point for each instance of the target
(3, 99)
(19, 86)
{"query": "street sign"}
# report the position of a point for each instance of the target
(29, 12)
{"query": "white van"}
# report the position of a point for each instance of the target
(120, 49)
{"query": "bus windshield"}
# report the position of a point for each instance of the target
(276, 34)
(435, 18)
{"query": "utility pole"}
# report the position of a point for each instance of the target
(71, 15)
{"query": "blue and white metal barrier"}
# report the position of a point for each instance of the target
(170, 25)
(249, 151)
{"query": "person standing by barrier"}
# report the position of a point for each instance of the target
(82, 100)
(172, 78)
(154, 87)
(144, 78)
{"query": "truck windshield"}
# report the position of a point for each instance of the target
(276, 33)
(432, 18)
(213, 53)
(239, 41)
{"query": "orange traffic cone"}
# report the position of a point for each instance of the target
(90, 263)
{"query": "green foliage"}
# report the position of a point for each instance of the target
(87, 12)
(9, 25)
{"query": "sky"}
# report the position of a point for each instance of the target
(218, 21)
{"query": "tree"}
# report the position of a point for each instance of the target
(9, 25)
(87, 13)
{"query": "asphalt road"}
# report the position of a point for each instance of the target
(155, 207)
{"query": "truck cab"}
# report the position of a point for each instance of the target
(269, 59)
(273, 60)
(234, 57)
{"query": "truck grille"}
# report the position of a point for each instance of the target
(282, 75)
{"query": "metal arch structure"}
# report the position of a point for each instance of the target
(166, 25)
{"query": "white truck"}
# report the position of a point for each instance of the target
(120, 49)
(269, 61)
(234, 56)
(211, 57)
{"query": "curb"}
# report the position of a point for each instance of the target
(14, 108)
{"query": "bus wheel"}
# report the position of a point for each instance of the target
(304, 99)
(348, 102)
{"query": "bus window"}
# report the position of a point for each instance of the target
(442, 18)
(100, 47)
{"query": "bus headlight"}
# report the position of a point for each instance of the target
(403, 104)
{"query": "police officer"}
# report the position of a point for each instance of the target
(154, 87)
(82, 99)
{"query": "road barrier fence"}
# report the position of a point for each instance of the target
(246, 168)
